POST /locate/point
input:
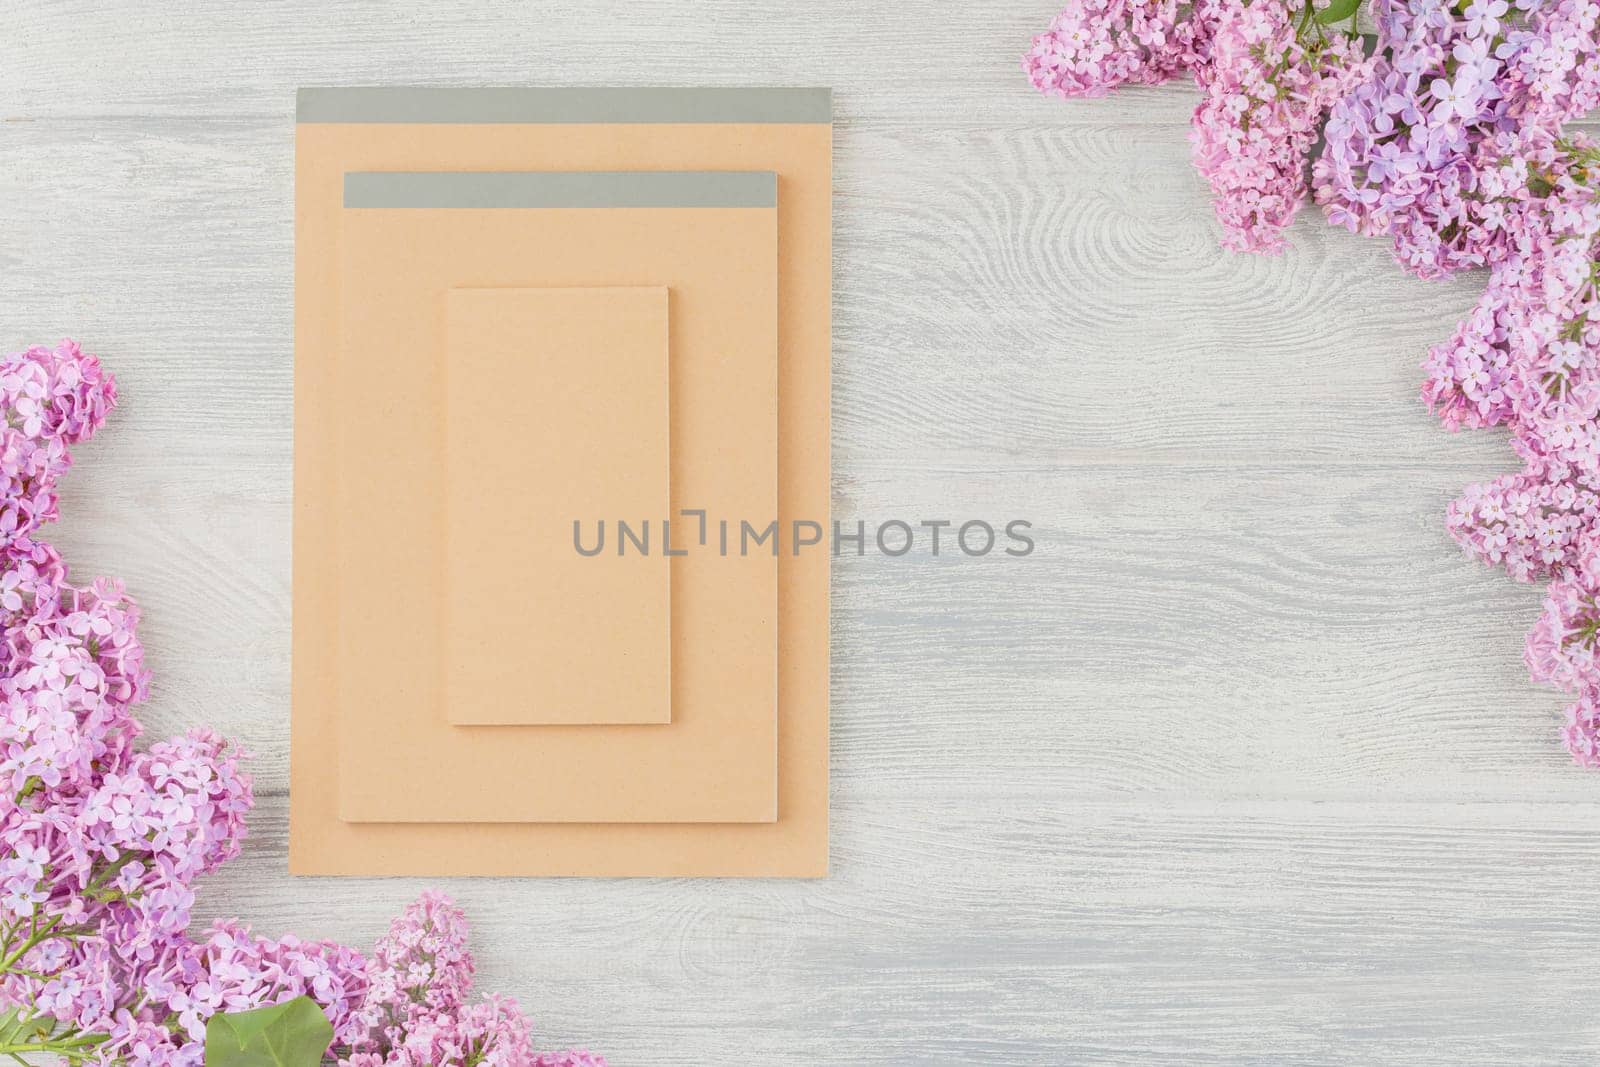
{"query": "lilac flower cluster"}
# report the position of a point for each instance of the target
(101, 842)
(1096, 45)
(1518, 356)
(1436, 148)
(1269, 75)
(1561, 649)
(1447, 138)
(1270, 80)
(50, 398)
(1528, 522)
(417, 1010)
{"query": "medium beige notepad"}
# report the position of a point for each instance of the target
(555, 409)
(787, 131)
(409, 240)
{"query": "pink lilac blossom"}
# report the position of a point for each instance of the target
(1554, 73)
(418, 1009)
(1561, 648)
(101, 842)
(1268, 77)
(1582, 731)
(1528, 523)
(1403, 148)
(1431, 148)
(1448, 141)
(50, 398)
(1097, 45)
(1526, 353)
(1266, 90)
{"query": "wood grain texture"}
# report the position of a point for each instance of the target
(1241, 766)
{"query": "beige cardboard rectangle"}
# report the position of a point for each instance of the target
(351, 138)
(555, 408)
(404, 762)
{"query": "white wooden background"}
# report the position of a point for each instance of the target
(1242, 766)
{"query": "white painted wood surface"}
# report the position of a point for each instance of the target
(1241, 767)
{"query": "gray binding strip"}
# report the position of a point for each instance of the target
(560, 189)
(513, 105)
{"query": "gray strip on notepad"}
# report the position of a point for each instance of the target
(564, 104)
(560, 189)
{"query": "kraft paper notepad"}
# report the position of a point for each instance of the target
(711, 238)
(785, 131)
(555, 406)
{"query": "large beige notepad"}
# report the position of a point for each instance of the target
(786, 131)
(555, 410)
(409, 240)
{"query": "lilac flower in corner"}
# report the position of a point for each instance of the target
(102, 841)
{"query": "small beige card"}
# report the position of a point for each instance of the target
(555, 413)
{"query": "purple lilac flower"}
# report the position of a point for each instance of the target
(1096, 45)
(1582, 731)
(101, 843)
(1266, 93)
(1449, 142)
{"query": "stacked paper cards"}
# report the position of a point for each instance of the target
(550, 344)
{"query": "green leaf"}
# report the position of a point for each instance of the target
(292, 1034)
(1337, 11)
